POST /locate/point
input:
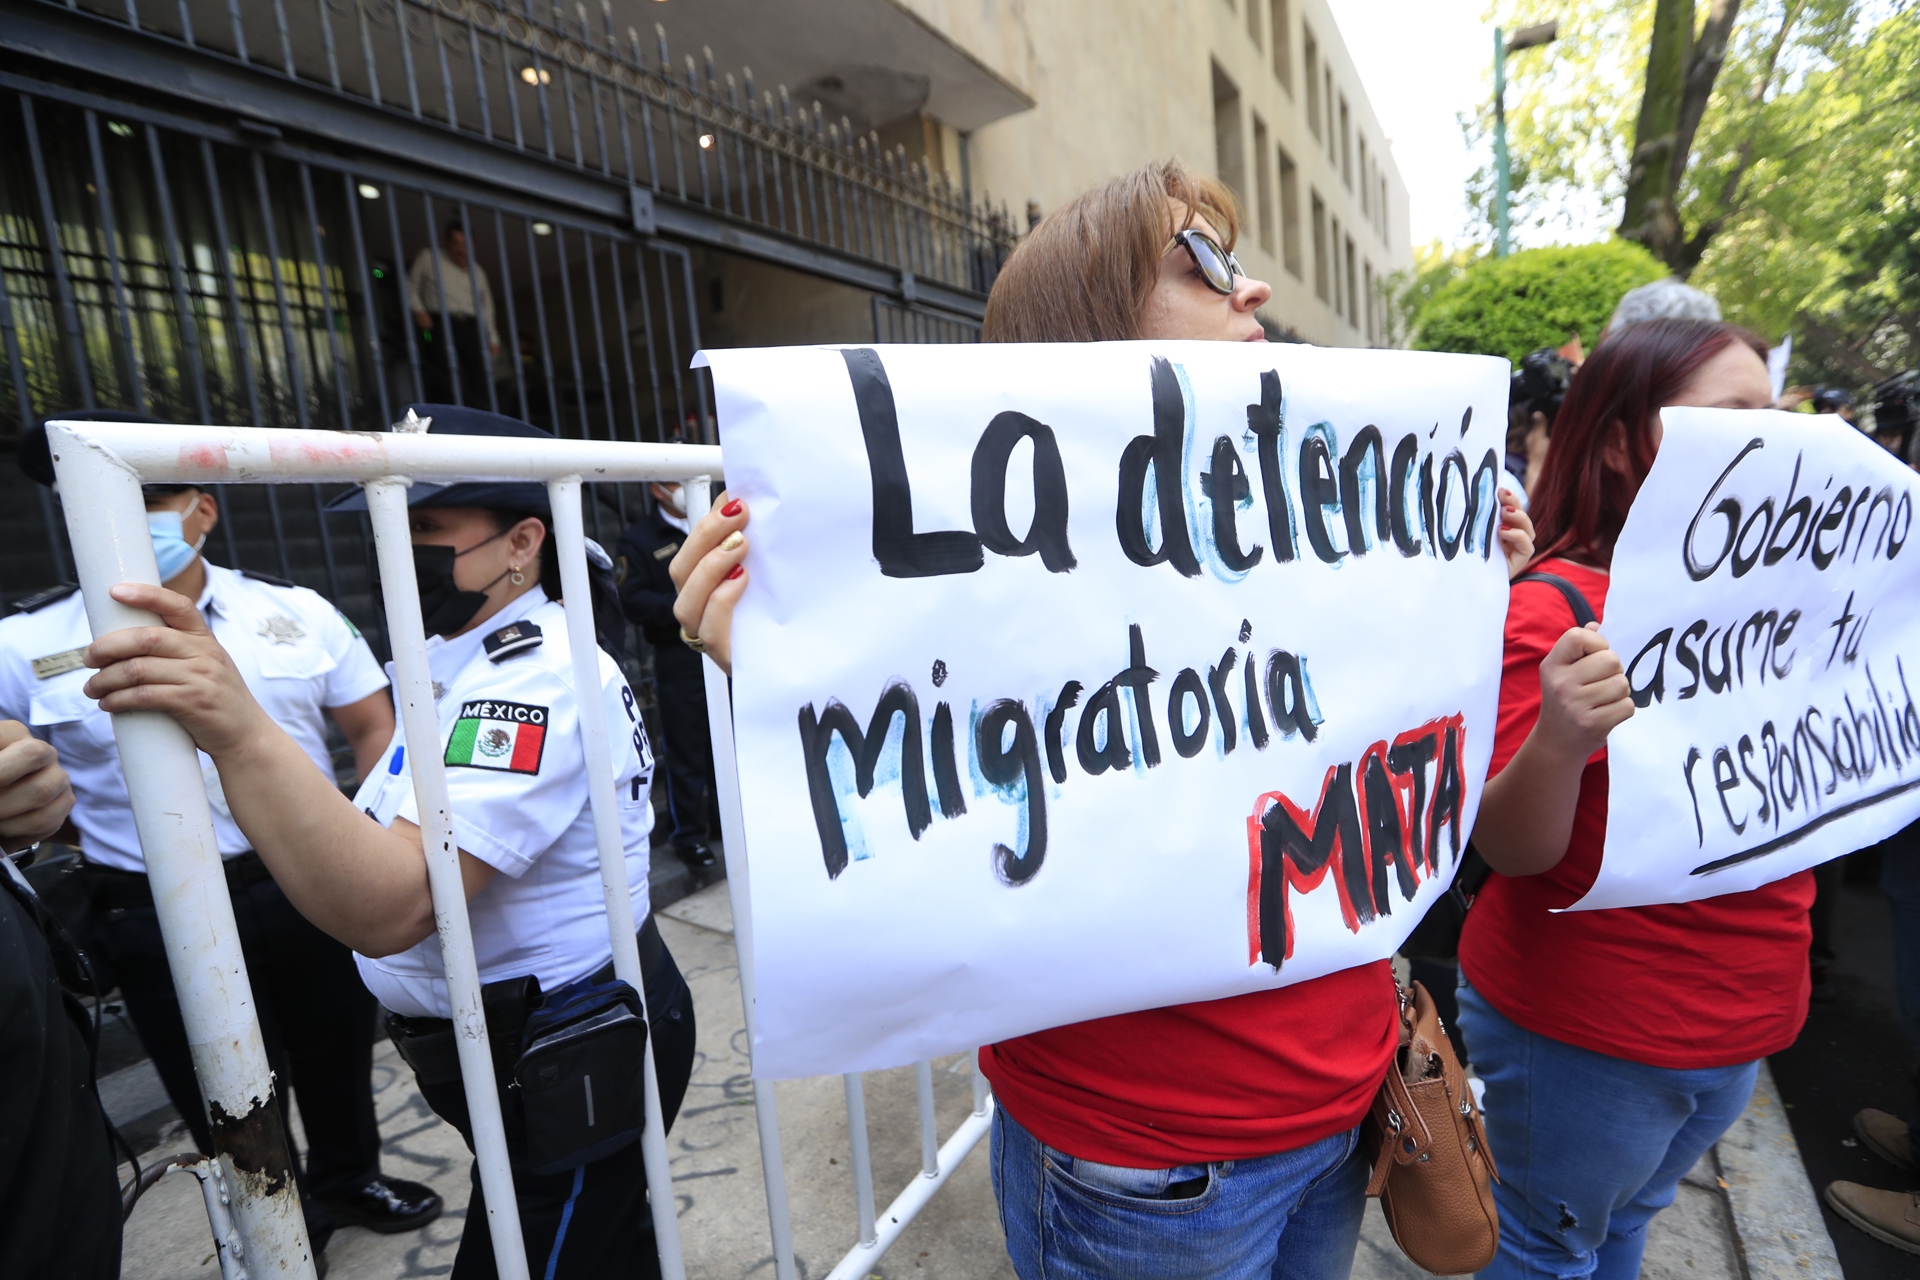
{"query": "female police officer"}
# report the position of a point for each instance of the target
(509, 732)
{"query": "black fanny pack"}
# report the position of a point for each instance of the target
(581, 1075)
(570, 1061)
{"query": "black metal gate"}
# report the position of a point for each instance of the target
(195, 272)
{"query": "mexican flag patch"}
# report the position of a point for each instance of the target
(508, 736)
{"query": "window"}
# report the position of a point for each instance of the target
(1346, 143)
(1366, 184)
(1339, 291)
(1229, 150)
(1282, 28)
(1353, 288)
(1386, 236)
(1311, 64)
(1290, 214)
(1367, 278)
(1322, 285)
(1253, 22)
(1263, 183)
(1333, 144)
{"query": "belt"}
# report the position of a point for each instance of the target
(428, 1043)
(114, 888)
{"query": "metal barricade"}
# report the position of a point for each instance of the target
(107, 463)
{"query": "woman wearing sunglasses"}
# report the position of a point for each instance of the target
(1217, 1140)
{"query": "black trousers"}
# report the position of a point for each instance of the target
(316, 1017)
(680, 684)
(603, 1205)
(437, 374)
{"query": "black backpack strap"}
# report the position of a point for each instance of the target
(1582, 611)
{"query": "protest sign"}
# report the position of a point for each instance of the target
(1078, 679)
(1765, 603)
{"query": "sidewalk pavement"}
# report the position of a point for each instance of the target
(1746, 1211)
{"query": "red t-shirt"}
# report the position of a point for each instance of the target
(1225, 1079)
(1688, 985)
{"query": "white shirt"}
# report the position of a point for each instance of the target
(424, 291)
(519, 805)
(295, 651)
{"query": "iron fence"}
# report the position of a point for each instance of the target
(564, 85)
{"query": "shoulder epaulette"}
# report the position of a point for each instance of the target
(41, 599)
(267, 578)
(515, 637)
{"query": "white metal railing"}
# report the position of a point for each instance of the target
(101, 467)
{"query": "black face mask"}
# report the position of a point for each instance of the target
(444, 607)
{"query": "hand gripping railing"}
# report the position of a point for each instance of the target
(101, 467)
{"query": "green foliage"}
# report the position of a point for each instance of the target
(1407, 293)
(1534, 298)
(1825, 243)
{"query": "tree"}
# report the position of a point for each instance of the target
(1696, 104)
(1534, 298)
(1825, 240)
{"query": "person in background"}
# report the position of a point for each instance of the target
(1539, 385)
(509, 732)
(1835, 400)
(1616, 1046)
(59, 1203)
(306, 664)
(679, 682)
(1216, 1140)
(1668, 299)
(447, 278)
(1893, 1217)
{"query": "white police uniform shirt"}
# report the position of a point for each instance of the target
(295, 651)
(517, 780)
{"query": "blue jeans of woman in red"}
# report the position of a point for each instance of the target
(1291, 1216)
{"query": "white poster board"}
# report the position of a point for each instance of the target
(1079, 679)
(1766, 601)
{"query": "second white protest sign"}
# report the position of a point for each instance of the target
(1072, 680)
(1766, 600)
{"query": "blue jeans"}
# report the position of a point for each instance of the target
(1291, 1216)
(1589, 1146)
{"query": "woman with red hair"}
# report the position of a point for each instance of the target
(1616, 1046)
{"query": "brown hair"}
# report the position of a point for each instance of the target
(1581, 503)
(1085, 273)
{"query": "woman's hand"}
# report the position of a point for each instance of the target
(1527, 809)
(177, 668)
(1583, 694)
(1516, 535)
(710, 577)
(35, 794)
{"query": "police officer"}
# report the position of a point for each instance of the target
(646, 594)
(301, 658)
(516, 775)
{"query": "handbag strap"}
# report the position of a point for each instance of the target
(1582, 611)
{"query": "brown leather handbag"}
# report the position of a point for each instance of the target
(1432, 1170)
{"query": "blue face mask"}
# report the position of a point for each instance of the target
(170, 546)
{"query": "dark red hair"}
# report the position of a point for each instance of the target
(1581, 501)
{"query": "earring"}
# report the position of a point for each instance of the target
(515, 576)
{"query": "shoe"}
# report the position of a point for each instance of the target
(696, 855)
(1891, 1217)
(1887, 1137)
(385, 1205)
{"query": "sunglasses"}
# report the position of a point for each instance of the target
(1217, 266)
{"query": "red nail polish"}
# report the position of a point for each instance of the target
(735, 572)
(732, 509)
